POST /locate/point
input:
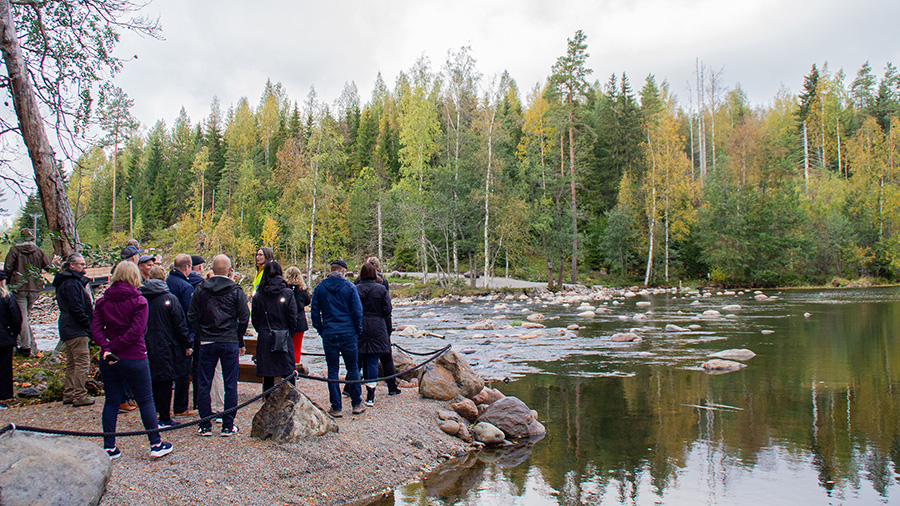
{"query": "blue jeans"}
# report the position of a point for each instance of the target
(209, 356)
(370, 366)
(336, 346)
(137, 374)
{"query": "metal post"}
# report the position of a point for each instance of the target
(130, 217)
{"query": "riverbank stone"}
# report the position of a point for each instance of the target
(488, 434)
(289, 416)
(448, 376)
(513, 417)
(488, 396)
(465, 408)
(39, 470)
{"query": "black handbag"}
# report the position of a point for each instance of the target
(281, 338)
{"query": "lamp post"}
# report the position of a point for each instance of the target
(130, 217)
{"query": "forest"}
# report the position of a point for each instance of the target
(576, 179)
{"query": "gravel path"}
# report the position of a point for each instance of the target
(392, 443)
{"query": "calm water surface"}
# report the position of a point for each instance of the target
(812, 419)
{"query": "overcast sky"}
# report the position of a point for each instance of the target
(229, 48)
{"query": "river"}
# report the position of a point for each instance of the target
(812, 419)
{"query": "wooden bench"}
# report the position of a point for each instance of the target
(247, 369)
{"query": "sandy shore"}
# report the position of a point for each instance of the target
(392, 443)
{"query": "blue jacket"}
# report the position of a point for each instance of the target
(181, 288)
(194, 278)
(335, 308)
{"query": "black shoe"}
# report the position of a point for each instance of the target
(24, 352)
(370, 396)
(394, 392)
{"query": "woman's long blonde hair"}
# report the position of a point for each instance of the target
(293, 276)
(128, 272)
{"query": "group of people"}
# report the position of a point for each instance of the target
(158, 330)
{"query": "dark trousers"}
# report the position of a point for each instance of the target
(369, 366)
(336, 347)
(387, 365)
(182, 393)
(210, 354)
(137, 374)
(6, 373)
(162, 398)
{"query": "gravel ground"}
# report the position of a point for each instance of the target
(392, 443)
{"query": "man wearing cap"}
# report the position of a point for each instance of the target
(20, 263)
(145, 263)
(337, 316)
(196, 275)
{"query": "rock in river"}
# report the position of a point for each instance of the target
(535, 317)
(513, 417)
(626, 337)
(483, 325)
(675, 328)
(717, 366)
(532, 325)
(735, 354)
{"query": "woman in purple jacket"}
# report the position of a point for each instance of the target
(118, 325)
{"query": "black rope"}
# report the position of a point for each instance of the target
(436, 354)
(419, 354)
(61, 432)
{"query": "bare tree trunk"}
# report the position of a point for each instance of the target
(837, 129)
(380, 234)
(549, 270)
(47, 174)
(805, 157)
(487, 193)
(701, 129)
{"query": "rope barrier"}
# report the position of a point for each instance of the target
(436, 354)
(60, 432)
(220, 414)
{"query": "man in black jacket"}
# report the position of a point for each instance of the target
(73, 295)
(219, 316)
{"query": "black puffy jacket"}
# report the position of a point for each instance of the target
(219, 311)
(76, 306)
(167, 335)
(376, 304)
(10, 321)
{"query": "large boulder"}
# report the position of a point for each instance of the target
(513, 417)
(448, 376)
(39, 470)
(289, 416)
(402, 362)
